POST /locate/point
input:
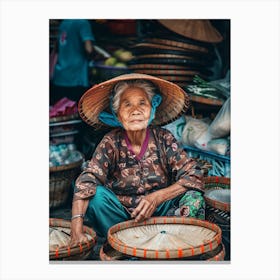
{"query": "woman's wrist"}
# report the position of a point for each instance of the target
(81, 216)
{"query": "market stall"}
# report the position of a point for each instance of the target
(193, 54)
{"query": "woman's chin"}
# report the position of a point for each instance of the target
(136, 126)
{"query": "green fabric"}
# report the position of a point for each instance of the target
(192, 204)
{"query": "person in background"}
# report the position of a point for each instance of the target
(74, 49)
(138, 170)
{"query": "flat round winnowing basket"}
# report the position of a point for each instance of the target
(217, 192)
(60, 179)
(59, 238)
(217, 215)
(165, 237)
(218, 198)
(107, 253)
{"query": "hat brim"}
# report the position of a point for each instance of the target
(178, 44)
(190, 53)
(141, 68)
(200, 30)
(176, 61)
(175, 101)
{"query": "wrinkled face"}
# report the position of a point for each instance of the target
(135, 108)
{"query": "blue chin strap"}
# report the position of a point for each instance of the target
(112, 119)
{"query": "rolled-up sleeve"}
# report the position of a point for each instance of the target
(95, 171)
(183, 169)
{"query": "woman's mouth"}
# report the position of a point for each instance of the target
(136, 121)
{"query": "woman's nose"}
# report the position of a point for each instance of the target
(135, 110)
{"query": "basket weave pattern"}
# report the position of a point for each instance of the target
(216, 182)
(165, 254)
(112, 255)
(79, 252)
(61, 178)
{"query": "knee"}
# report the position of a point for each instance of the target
(99, 199)
(192, 204)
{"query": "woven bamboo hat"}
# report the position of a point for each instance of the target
(201, 30)
(175, 100)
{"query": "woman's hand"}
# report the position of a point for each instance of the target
(77, 235)
(146, 207)
(77, 238)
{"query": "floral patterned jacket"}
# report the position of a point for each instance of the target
(161, 163)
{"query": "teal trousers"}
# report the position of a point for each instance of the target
(105, 210)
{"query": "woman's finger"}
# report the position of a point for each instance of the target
(142, 215)
(148, 210)
(137, 209)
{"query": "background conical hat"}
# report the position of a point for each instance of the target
(168, 72)
(177, 44)
(201, 30)
(156, 46)
(185, 52)
(158, 66)
(178, 61)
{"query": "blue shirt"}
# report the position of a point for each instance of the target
(72, 65)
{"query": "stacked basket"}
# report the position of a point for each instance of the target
(217, 198)
(60, 182)
(174, 51)
(62, 174)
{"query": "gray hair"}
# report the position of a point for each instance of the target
(122, 86)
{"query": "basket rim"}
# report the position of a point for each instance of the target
(165, 254)
(218, 257)
(217, 182)
(224, 206)
(67, 166)
(64, 118)
(70, 251)
(109, 67)
(217, 179)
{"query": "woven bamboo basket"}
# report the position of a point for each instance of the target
(107, 72)
(60, 180)
(216, 211)
(217, 192)
(178, 44)
(64, 118)
(59, 248)
(107, 253)
(217, 215)
(165, 238)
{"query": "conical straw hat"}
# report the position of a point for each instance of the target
(201, 30)
(175, 100)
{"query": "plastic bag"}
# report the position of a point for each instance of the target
(193, 129)
(219, 128)
(218, 146)
(176, 127)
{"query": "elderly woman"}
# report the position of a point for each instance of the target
(138, 169)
